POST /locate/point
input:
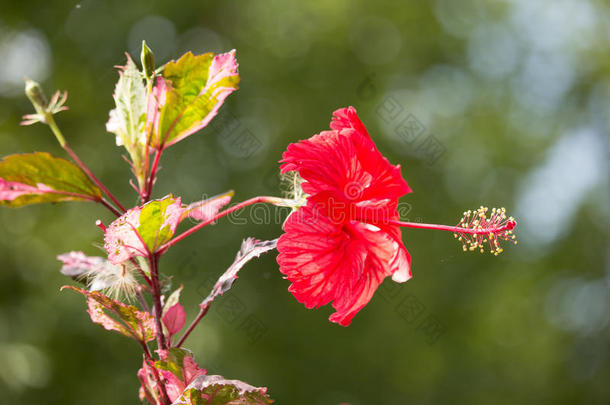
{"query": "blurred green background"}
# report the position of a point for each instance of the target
(501, 103)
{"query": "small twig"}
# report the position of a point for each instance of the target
(202, 311)
(89, 173)
(141, 299)
(243, 204)
(50, 121)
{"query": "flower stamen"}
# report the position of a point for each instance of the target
(480, 226)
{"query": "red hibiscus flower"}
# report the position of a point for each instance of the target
(341, 245)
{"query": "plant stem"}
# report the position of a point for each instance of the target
(62, 142)
(156, 293)
(89, 173)
(455, 229)
(200, 315)
(204, 309)
(60, 137)
(110, 207)
(139, 268)
(255, 200)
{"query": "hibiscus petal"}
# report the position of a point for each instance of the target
(317, 257)
(381, 249)
(348, 306)
(346, 162)
(347, 118)
(340, 246)
(400, 265)
(329, 262)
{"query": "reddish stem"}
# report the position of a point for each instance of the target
(153, 260)
(200, 315)
(156, 294)
(139, 268)
(151, 179)
(255, 200)
(110, 207)
(456, 229)
(80, 163)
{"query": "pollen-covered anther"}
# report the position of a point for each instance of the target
(482, 226)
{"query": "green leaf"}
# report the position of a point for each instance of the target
(189, 95)
(158, 221)
(38, 177)
(216, 390)
(128, 120)
(119, 317)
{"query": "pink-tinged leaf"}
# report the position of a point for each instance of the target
(157, 100)
(189, 95)
(11, 190)
(39, 177)
(143, 229)
(217, 390)
(148, 385)
(77, 264)
(121, 238)
(250, 248)
(174, 319)
(116, 316)
(179, 369)
(172, 300)
(207, 209)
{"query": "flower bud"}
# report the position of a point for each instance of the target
(148, 61)
(36, 96)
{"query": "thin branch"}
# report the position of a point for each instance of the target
(89, 173)
(141, 299)
(139, 268)
(251, 201)
(250, 249)
(202, 311)
(110, 207)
